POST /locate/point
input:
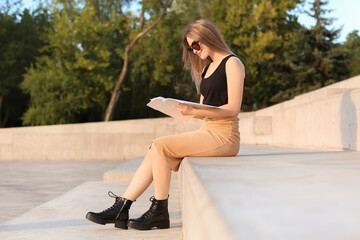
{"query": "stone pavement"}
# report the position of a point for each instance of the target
(64, 216)
(27, 184)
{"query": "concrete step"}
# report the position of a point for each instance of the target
(124, 172)
(63, 218)
(272, 193)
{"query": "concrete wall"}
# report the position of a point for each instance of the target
(116, 140)
(327, 118)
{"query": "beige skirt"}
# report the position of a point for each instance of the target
(216, 138)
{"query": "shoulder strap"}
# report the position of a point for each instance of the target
(227, 58)
(205, 70)
(231, 55)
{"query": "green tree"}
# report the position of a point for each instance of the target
(153, 8)
(86, 49)
(75, 75)
(353, 45)
(315, 60)
(156, 68)
(20, 41)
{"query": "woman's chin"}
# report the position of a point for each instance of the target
(202, 57)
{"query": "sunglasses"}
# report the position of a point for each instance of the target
(194, 46)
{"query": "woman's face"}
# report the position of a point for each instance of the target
(203, 53)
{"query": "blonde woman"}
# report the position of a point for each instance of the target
(219, 78)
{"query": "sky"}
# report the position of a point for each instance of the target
(346, 13)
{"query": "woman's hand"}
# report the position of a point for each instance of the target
(185, 109)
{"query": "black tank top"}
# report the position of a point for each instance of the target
(214, 88)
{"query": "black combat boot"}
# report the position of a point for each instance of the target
(117, 213)
(156, 216)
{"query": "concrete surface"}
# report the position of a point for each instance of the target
(327, 118)
(115, 140)
(27, 184)
(124, 172)
(272, 193)
(64, 217)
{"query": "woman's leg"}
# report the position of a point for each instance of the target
(152, 168)
(161, 172)
(152, 165)
(158, 213)
(141, 179)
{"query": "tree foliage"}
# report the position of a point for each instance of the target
(314, 60)
(156, 68)
(140, 31)
(20, 41)
(353, 45)
(75, 75)
(60, 65)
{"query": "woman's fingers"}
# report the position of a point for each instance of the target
(176, 107)
(183, 109)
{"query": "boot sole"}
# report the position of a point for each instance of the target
(159, 225)
(121, 224)
(118, 224)
(98, 220)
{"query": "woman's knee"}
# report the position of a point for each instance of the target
(149, 153)
(153, 151)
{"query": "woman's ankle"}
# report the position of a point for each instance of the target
(129, 198)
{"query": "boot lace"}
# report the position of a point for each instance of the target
(111, 194)
(151, 210)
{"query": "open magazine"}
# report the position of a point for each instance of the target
(165, 105)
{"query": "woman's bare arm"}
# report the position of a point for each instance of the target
(235, 74)
(201, 102)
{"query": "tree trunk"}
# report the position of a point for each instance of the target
(116, 93)
(1, 100)
(3, 121)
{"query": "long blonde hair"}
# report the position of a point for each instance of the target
(206, 33)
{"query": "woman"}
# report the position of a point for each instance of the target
(219, 77)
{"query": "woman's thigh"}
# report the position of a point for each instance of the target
(189, 144)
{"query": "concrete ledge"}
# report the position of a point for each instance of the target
(201, 218)
(326, 118)
(327, 123)
(262, 125)
(328, 91)
(272, 193)
(115, 140)
(124, 172)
